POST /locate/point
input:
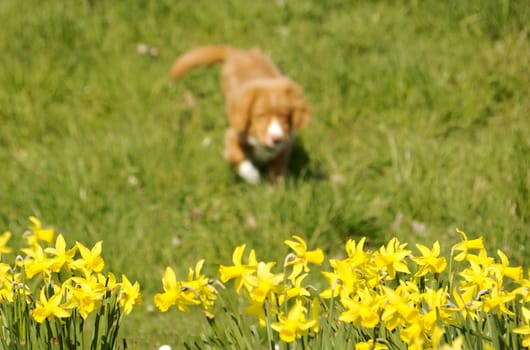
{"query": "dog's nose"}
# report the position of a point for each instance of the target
(275, 132)
(276, 139)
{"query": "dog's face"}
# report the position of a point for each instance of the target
(267, 110)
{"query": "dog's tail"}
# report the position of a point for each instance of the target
(203, 55)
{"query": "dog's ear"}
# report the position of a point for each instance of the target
(239, 107)
(300, 108)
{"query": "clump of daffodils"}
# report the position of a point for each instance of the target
(394, 297)
(51, 289)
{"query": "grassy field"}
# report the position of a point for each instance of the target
(421, 124)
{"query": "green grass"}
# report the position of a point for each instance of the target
(421, 124)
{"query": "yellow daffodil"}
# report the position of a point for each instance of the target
(315, 312)
(466, 303)
(36, 262)
(267, 282)
(397, 308)
(524, 289)
(482, 259)
(296, 290)
(392, 258)
(295, 325)
(413, 335)
(302, 257)
(109, 280)
(4, 237)
(182, 294)
(497, 299)
(7, 281)
(85, 294)
(466, 245)
(129, 295)
(5, 272)
(357, 257)
(373, 296)
(49, 307)
(171, 291)
(476, 277)
(505, 270)
(91, 260)
(343, 280)
(436, 300)
(258, 310)
(336, 280)
(370, 345)
(430, 262)
(60, 256)
(457, 344)
(37, 233)
(525, 329)
(436, 335)
(243, 273)
(200, 285)
(362, 309)
(410, 291)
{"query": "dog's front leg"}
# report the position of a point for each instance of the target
(235, 155)
(278, 166)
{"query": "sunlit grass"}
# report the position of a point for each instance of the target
(420, 125)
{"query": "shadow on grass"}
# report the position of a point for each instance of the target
(303, 168)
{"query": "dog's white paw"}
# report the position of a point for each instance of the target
(248, 172)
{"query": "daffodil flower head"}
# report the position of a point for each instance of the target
(243, 273)
(505, 270)
(4, 237)
(256, 309)
(398, 308)
(357, 257)
(413, 334)
(109, 280)
(129, 295)
(165, 300)
(343, 280)
(267, 282)
(36, 262)
(392, 258)
(8, 282)
(85, 294)
(466, 302)
(49, 306)
(183, 294)
(302, 257)
(524, 330)
(362, 309)
(91, 260)
(466, 245)
(296, 290)
(430, 262)
(60, 256)
(295, 325)
(201, 285)
(38, 233)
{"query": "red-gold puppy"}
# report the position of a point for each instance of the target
(263, 108)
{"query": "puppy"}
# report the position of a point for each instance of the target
(263, 108)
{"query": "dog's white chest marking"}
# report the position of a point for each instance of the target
(262, 153)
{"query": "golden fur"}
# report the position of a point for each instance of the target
(262, 105)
